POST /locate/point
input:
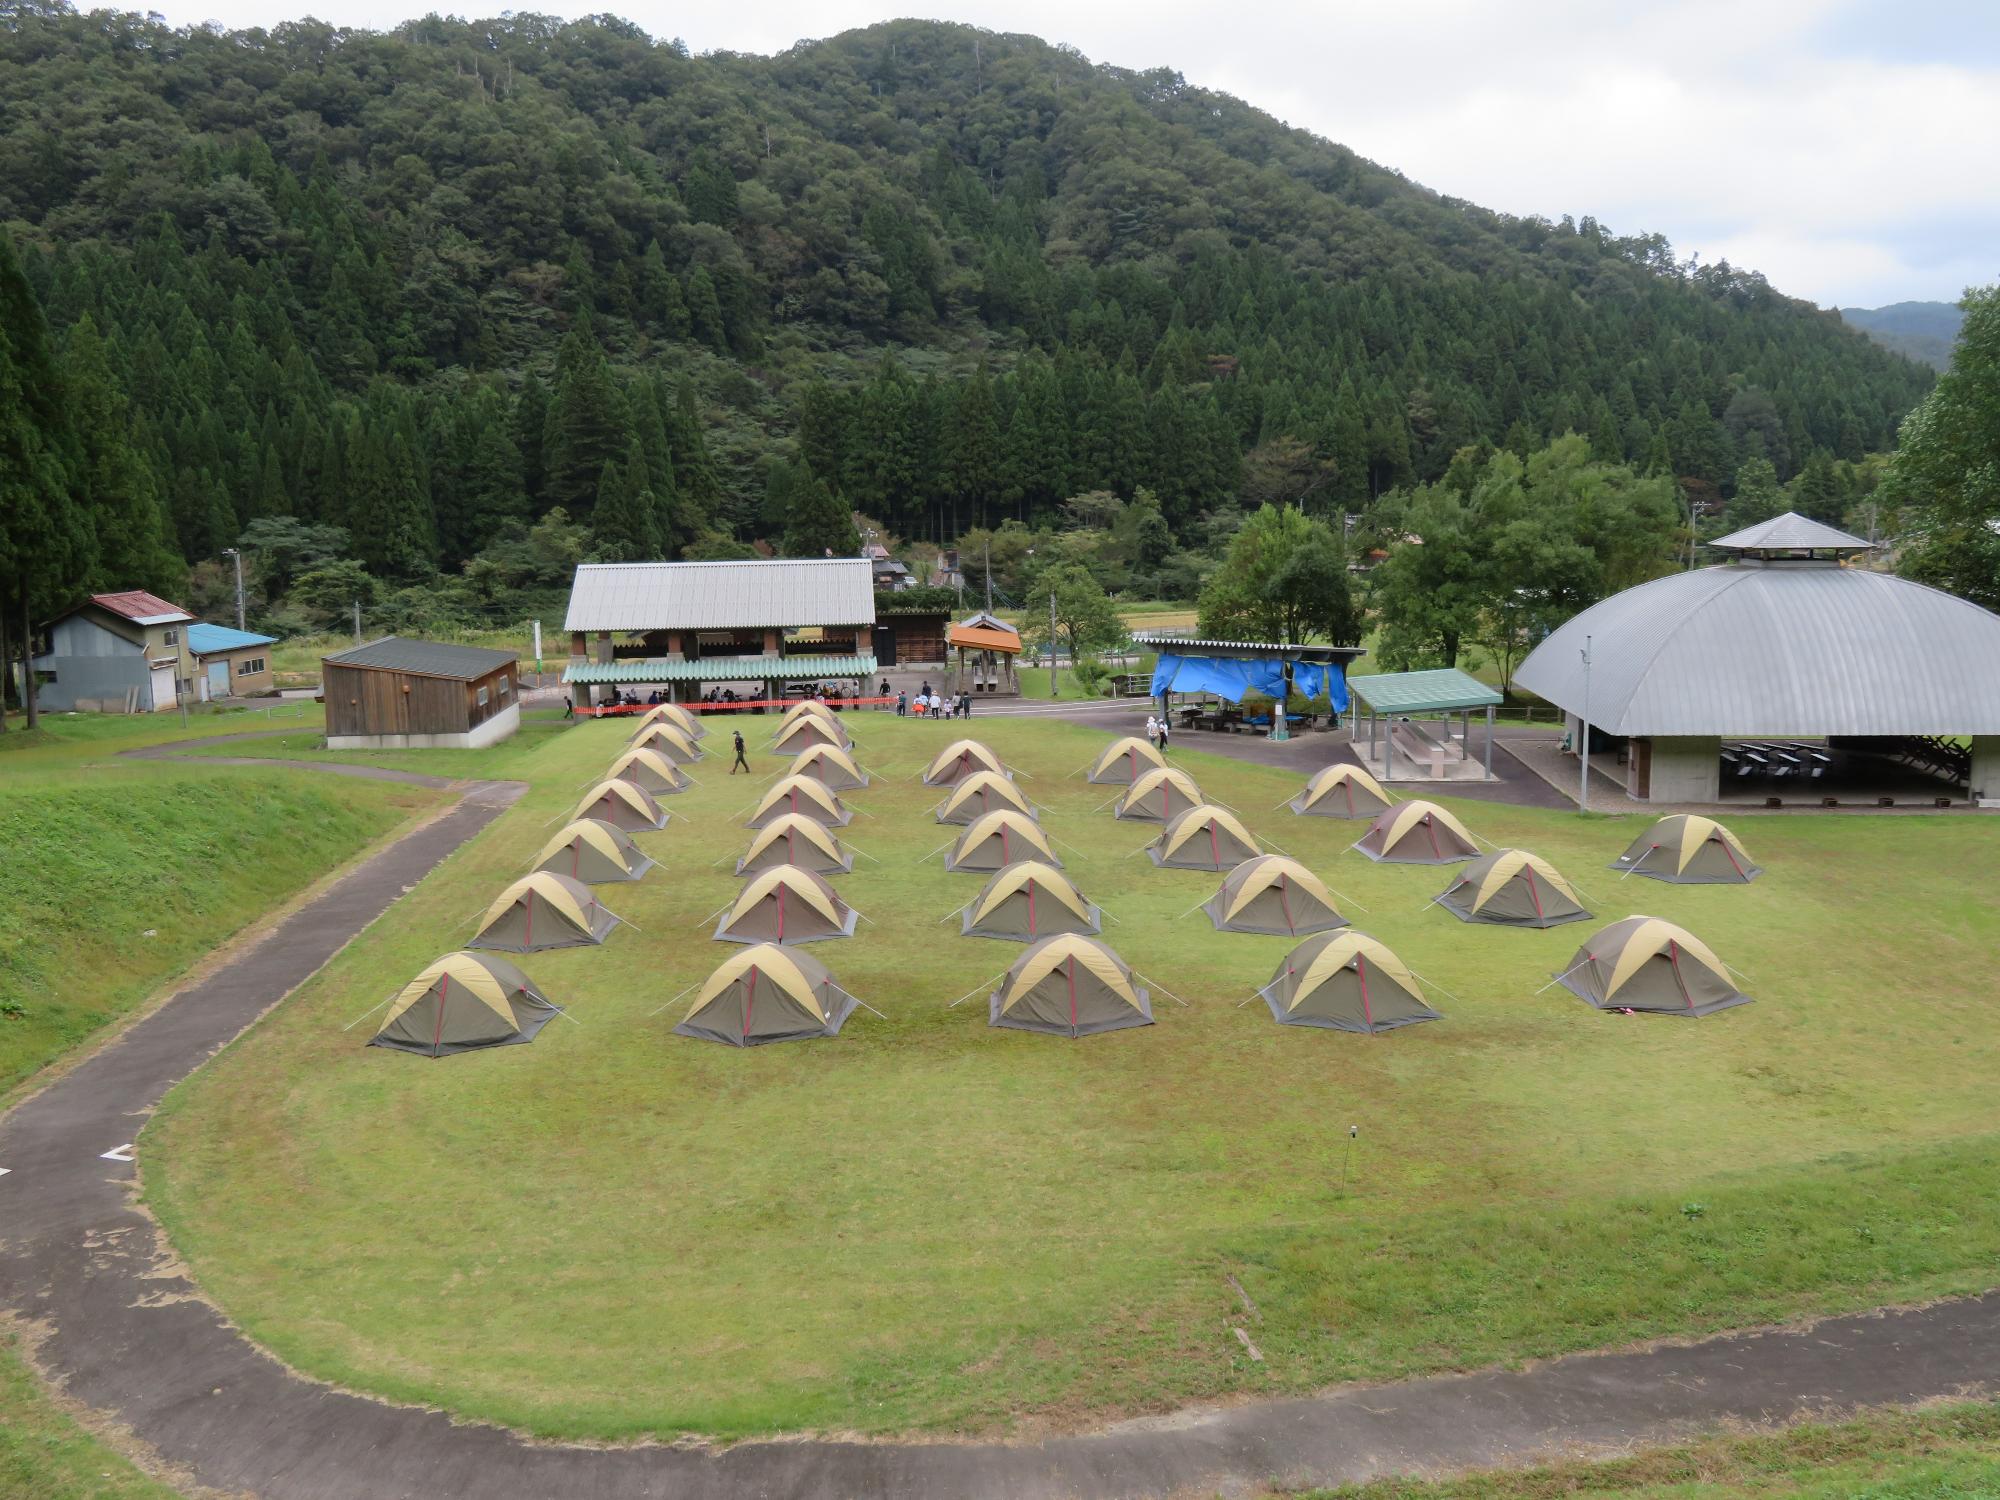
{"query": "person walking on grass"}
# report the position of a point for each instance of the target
(740, 763)
(1163, 735)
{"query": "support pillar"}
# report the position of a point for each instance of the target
(1985, 780)
(1489, 742)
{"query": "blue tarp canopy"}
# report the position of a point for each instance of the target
(1232, 677)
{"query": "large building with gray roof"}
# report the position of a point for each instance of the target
(1786, 640)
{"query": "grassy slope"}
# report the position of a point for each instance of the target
(930, 1224)
(501, 760)
(45, 1454)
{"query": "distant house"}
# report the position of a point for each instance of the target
(116, 654)
(230, 663)
(890, 575)
(396, 694)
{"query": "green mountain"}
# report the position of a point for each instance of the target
(1923, 331)
(428, 285)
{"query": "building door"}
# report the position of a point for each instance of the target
(885, 645)
(218, 679)
(163, 688)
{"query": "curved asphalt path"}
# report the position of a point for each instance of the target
(125, 1331)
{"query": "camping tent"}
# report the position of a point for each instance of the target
(463, 1002)
(1069, 985)
(1158, 794)
(1345, 981)
(1341, 791)
(594, 851)
(979, 794)
(622, 805)
(959, 759)
(998, 839)
(1028, 901)
(651, 770)
(786, 904)
(668, 742)
(1273, 893)
(809, 731)
(1643, 963)
(1203, 838)
(1417, 833)
(792, 839)
(767, 994)
(1512, 888)
(806, 708)
(672, 713)
(1125, 761)
(543, 911)
(800, 796)
(1689, 850)
(829, 765)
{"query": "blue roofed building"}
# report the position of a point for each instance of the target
(230, 663)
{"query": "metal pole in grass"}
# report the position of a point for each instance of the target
(1347, 1171)
(1583, 739)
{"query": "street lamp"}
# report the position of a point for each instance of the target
(1583, 739)
(232, 552)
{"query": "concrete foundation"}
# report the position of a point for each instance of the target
(491, 732)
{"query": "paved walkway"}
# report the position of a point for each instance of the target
(126, 1332)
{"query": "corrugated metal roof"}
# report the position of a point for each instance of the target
(1422, 692)
(1166, 640)
(779, 593)
(1777, 650)
(206, 640)
(140, 607)
(1790, 532)
(423, 658)
(722, 669)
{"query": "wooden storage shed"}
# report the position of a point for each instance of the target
(395, 694)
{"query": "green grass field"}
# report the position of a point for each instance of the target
(928, 1224)
(46, 1454)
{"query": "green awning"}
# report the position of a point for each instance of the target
(720, 669)
(1441, 691)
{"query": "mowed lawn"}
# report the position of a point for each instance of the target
(928, 1224)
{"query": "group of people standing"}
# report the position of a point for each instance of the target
(930, 705)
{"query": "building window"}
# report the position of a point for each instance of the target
(506, 684)
(250, 666)
(172, 638)
(482, 697)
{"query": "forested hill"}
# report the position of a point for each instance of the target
(1924, 331)
(430, 283)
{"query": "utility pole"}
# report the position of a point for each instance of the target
(989, 571)
(1583, 739)
(1053, 690)
(538, 653)
(232, 552)
(357, 622)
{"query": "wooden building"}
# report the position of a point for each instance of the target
(396, 694)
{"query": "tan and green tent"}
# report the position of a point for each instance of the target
(1645, 964)
(461, 1003)
(1203, 838)
(795, 840)
(1029, 901)
(767, 994)
(1417, 833)
(979, 794)
(959, 759)
(806, 708)
(672, 713)
(1159, 794)
(1689, 850)
(786, 904)
(1341, 791)
(1275, 894)
(1345, 981)
(541, 911)
(667, 742)
(810, 731)
(594, 851)
(1000, 838)
(1069, 985)
(831, 766)
(622, 805)
(799, 796)
(1512, 888)
(651, 770)
(1125, 761)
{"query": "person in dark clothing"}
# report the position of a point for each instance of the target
(965, 705)
(740, 763)
(569, 706)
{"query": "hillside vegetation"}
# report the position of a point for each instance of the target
(1923, 331)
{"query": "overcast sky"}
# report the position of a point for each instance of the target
(1846, 148)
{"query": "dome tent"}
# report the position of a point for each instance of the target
(799, 796)
(829, 765)
(980, 793)
(1646, 964)
(767, 994)
(810, 732)
(462, 1003)
(1000, 838)
(1273, 894)
(594, 852)
(794, 840)
(959, 759)
(667, 742)
(806, 708)
(622, 805)
(541, 911)
(1157, 795)
(1345, 981)
(676, 716)
(1689, 850)
(1069, 985)
(651, 770)
(786, 904)
(1416, 833)
(1125, 761)
(1341, 791)
(1206, 837)
(1027, 901)
(1512, 888)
